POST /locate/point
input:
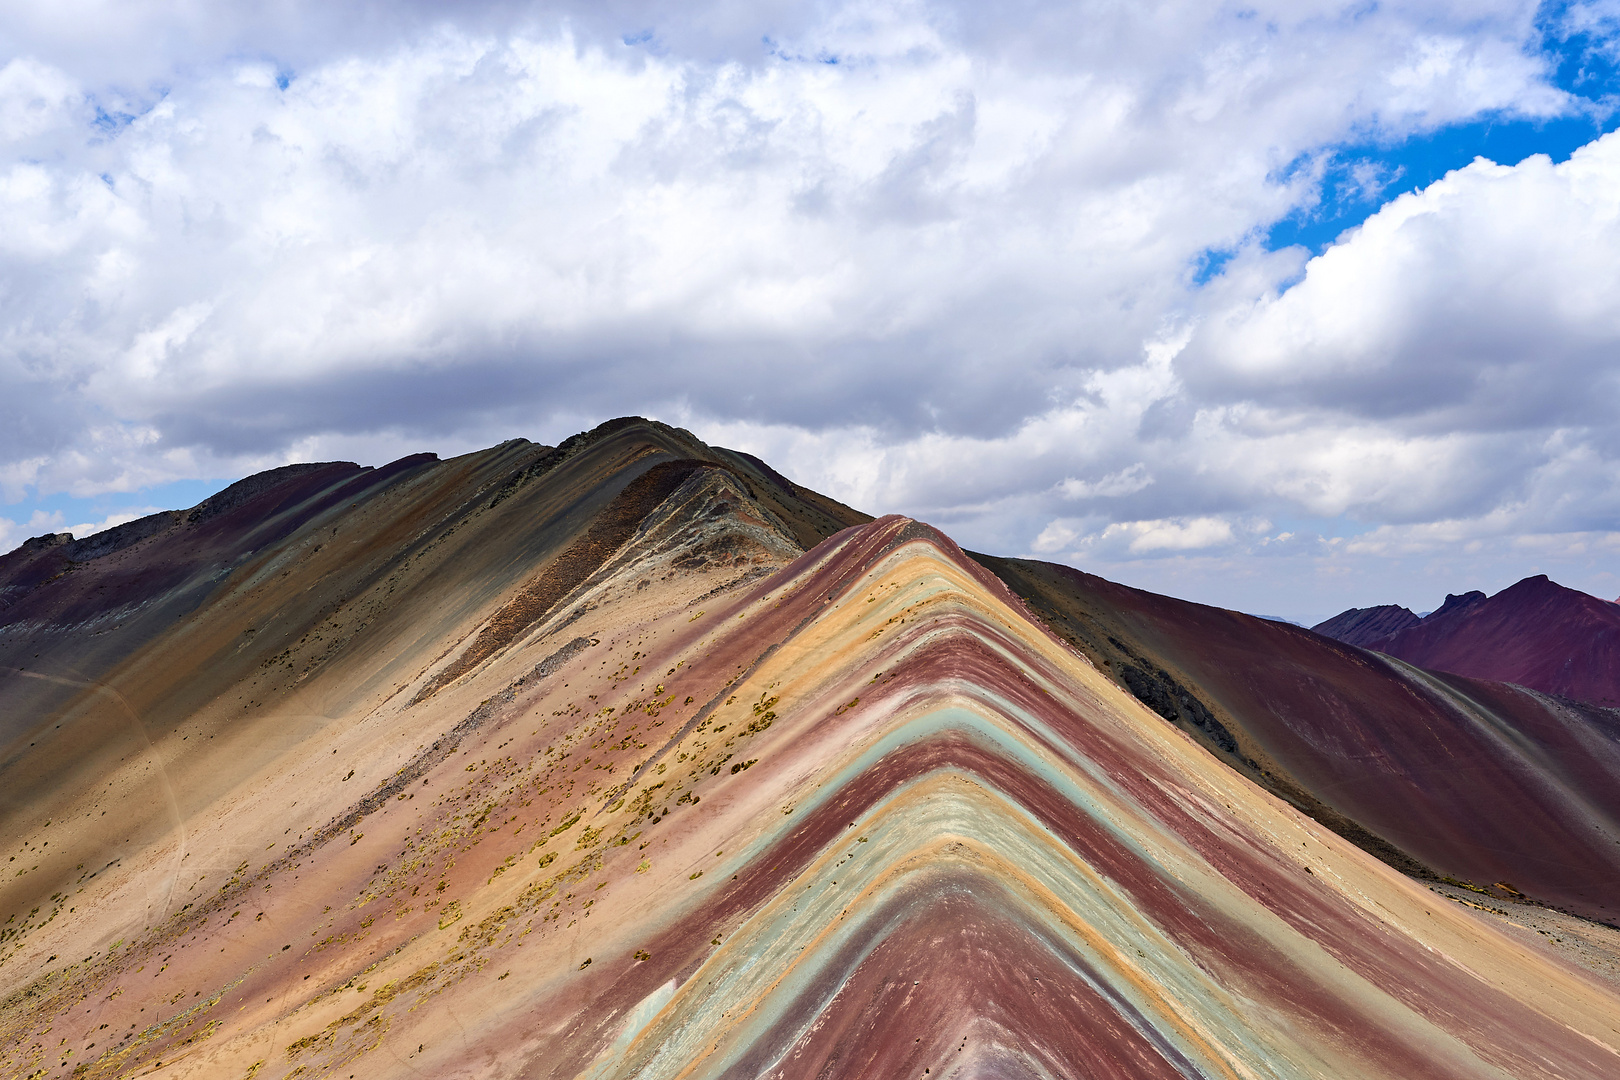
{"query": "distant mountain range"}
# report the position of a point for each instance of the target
(631, 758)
(1536, 633)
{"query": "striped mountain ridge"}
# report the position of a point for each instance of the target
(757, 786)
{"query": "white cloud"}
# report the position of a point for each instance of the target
(1125, 482)
(1485, 300)
(929, 257)
(34, 98)
(1187, 535)
(1055, 538)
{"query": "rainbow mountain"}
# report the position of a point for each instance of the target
(631, 758)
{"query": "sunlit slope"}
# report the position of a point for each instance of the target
(1510, 789)
(859, 817)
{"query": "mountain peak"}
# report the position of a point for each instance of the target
(1455, 604)
(1366, 627)
(1535, 633)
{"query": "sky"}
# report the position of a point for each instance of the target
(1287, 307)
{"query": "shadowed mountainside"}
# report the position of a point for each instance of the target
(1535, 633)
(629, 758)
(1366, 627)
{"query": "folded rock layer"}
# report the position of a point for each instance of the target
(755, 791)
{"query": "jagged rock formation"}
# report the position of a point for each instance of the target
(631, 758)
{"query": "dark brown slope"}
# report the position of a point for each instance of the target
(1470, 780)
(1536, 633)
(1366, 627)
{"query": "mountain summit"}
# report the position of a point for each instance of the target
(1535, 633)
(1368, 627)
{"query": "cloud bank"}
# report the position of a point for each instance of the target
(1004, 268)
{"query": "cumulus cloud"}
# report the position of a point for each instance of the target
(1484, 302)
(34, 97)
(1462, 342)
(933, 257)
(1145, 536)
(1127, 481)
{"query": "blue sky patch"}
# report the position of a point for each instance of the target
(1210, 264)
(111, 123)
(75, 510)
(1358, 178)
(1361, 178)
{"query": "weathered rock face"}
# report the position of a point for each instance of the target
(630, 758)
